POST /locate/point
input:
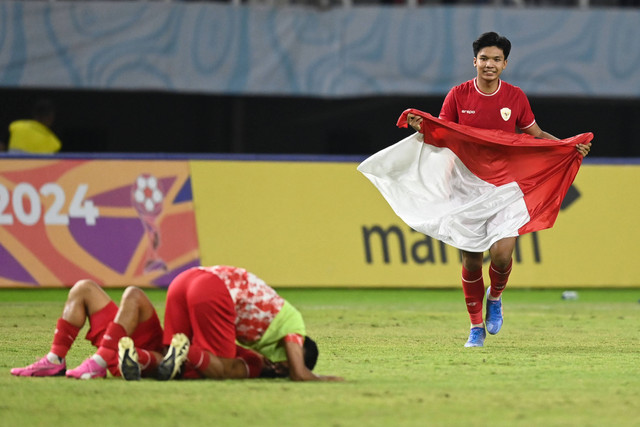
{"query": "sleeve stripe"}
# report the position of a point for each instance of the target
(298, 339)
(530, 124)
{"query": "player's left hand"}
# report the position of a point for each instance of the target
(584, 148)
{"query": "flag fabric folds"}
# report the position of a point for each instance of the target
(471, 187)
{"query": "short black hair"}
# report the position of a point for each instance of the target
(492, 39)
(310, 353)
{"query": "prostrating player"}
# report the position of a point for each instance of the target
(136, 318)
(488, 102)
(208, 309)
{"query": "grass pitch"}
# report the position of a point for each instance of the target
(555, 362)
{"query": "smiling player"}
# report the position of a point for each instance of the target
(488, 102)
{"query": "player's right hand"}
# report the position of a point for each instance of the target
(414, 121)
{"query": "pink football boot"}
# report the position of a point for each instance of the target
(42, 368)
(87, 370)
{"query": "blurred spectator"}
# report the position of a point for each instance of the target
(34, 135)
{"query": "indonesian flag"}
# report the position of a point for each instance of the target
(471, 187)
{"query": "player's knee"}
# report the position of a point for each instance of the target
(501, 260)
(83, 287)
(84, 283)
(133, 294)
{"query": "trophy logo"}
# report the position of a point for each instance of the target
(147, 198)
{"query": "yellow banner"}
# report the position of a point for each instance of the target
(324, 224)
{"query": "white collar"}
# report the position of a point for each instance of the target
(475, 84)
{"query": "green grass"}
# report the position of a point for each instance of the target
(559, 363)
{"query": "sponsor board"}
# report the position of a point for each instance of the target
(294, 223)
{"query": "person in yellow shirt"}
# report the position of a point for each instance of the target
(34, 135)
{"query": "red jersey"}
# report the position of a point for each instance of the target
(505, 109)
(256, 303)
(219, 305)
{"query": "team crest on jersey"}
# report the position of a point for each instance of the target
(506, 113)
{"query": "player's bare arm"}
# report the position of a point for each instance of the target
(534, 130)
(297, 369)
(539, 133)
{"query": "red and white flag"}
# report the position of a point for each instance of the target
(471, 187)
